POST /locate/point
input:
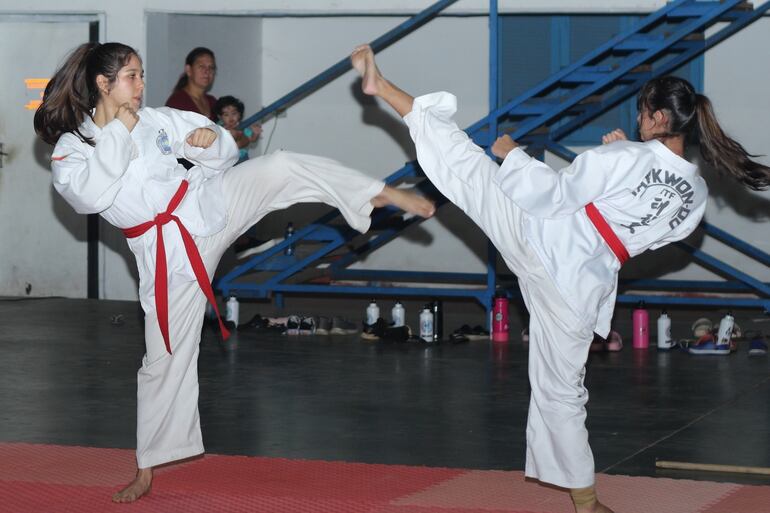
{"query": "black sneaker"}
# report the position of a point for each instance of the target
(374, 331)
(307, 326)
(397, 334)
(292, 325)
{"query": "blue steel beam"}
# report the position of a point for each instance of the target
(343, 66)
(586, 60)
(554, 79)
(702, 285)
(724, 268)
(695, 301)
(741, 21)
(736, 243)
(627, 66)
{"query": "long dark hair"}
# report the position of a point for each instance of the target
(189, 61)
(72, 92)
(692, 116)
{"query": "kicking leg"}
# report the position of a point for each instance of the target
(406, 200)
(458, 168)
(281, 179)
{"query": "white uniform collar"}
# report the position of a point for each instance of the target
(663, 151)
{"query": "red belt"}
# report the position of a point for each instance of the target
(161, 273)
(607, 234)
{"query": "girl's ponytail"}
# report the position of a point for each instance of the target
(68, 98)
(724, 153)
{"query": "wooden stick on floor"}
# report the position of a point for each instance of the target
(710, 467)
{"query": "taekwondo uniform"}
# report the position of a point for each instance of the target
(565, 235)
(179, 223)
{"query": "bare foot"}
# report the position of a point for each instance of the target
(136, 489)
(596, 507)
(406, 200)
(362, 59)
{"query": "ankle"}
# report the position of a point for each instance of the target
(144, 474)
(584, 499)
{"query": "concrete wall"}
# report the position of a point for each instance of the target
(449, 53)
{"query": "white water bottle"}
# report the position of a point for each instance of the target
(426, 325)
(231, 313)
(725, 332)
(372, 313)
(398, 315)
(664, 331)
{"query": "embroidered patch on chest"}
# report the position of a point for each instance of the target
(162, 141)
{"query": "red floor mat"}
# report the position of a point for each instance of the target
(47, 478)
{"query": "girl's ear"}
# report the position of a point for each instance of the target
(103, 84)
(660, 117)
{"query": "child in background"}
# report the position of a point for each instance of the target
(229, 110)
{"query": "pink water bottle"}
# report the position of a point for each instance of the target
(500, 318)
(641, 322)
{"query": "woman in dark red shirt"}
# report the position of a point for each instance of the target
(190, 91)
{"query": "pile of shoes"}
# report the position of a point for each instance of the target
(265, 324)
(381, 330)
(300, 325)
(705, 341)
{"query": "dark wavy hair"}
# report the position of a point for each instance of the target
(227, 101)
(189, 61)
(692, 116)
(72, 92)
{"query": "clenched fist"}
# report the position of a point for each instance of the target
(615, 135)
(503, 146)
(201, 137)
(127, 116)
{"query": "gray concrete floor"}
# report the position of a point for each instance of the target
(68, 376)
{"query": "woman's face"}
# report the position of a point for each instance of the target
(201, 72)
(127, 88)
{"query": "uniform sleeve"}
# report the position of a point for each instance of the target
(89, 178)
(220, 156)
(545, 193)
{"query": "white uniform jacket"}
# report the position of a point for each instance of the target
(648, 195)
(129, 177)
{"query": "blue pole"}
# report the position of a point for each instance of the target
(493, 103)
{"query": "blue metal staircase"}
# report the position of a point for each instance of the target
(540, 118)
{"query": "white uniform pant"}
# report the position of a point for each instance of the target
(557, 439)
(168, 425)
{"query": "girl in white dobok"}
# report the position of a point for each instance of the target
(566, 234)
(120, 161)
